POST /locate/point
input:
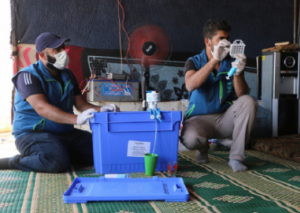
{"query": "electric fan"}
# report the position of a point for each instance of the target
(146, 49)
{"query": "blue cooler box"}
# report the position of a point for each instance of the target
(120, 140)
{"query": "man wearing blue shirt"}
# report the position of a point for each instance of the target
(44, 121)
(211, 112)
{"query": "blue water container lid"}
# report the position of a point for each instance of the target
(83, 190)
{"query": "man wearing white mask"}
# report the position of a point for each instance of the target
(43, 113)
(211, 112)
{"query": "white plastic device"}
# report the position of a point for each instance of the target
(117, 175)
(237, 47)
(152, 98)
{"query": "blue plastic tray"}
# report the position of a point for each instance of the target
(83, 190)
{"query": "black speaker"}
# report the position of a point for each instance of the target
(289, 61)
(288, 116)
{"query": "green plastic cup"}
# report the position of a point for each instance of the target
(150, 163)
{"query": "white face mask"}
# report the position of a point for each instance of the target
(59, 61)
(210, 48)
(62, 60)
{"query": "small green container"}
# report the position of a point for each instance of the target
(150, 163)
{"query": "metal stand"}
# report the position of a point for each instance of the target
(145, 86)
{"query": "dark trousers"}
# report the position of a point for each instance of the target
(48, 152)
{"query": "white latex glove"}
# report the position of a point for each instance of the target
(85, 115)
(221, 50)
(110, 108)
(239, 63)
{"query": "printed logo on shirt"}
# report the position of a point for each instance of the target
(229, 87)
(27, 78)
